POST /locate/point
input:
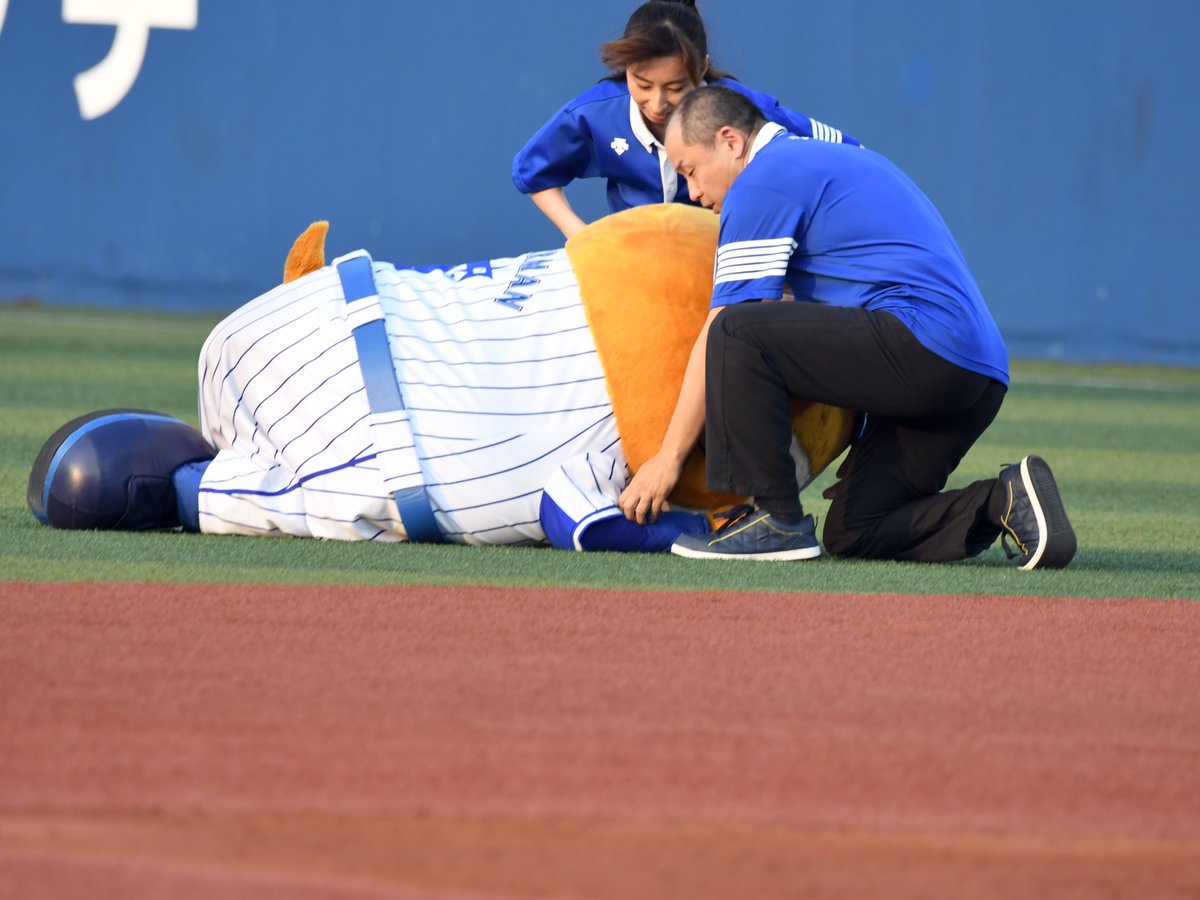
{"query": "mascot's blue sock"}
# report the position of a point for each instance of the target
(612, 531)
(618, 533)
(187, 493)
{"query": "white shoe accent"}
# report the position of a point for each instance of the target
(1043, 535)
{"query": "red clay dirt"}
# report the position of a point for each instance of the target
(475, 742)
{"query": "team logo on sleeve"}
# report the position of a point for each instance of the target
(620, 145)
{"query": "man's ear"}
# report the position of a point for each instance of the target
(728, 136)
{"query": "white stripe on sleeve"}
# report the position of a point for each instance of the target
(823, 132)
(749, 260)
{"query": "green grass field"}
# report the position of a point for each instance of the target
(1124, 443)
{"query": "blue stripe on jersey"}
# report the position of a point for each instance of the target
(251, 314)
(259, 508)
(241, 524)
(509, 527)
(501, 387)
(527, 462)
(267, 363)
(304, 462)
(612, 469)
(514, 415)
(493, 308)
(306, 396)
(480, 362)
(263, 368)
(254, 413)
(459, 453)
(584, 494)
(271, 330)
(288, 379)
(451, 339)
(296, 485)
(507, 499)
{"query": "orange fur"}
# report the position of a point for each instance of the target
(307, 253)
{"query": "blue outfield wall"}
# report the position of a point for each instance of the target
(1057, 137)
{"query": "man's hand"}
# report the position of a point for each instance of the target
(646, 495)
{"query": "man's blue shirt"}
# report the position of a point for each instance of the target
(844, 226)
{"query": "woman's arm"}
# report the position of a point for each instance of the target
(646, 494)
(553, 202)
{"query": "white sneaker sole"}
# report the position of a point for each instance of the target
(1032, 494)
(775, 556)
(1054, 528)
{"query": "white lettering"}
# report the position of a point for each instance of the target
(103, 86)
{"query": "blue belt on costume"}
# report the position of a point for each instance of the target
(383, 390)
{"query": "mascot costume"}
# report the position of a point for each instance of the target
(642, 281)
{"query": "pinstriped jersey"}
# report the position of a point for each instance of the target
(500, 380)
(848, 228)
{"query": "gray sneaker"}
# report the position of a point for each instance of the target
(755, 534)
(1034, 517)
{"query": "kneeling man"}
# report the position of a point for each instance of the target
(887, 320)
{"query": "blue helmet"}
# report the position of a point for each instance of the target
(112, 469)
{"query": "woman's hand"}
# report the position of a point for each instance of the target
(553, 202)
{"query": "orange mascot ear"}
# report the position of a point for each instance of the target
(307, 253)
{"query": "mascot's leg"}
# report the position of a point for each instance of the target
(579, 510)
(618, 533)
(113, 469)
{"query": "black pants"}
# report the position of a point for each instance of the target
(923, 415)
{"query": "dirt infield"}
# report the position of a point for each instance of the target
(318, 742)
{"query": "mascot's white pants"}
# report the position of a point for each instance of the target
(501, 382)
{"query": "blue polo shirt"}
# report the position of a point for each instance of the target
(601, 134)
(846, 227)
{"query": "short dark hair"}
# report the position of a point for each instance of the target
(707, 110)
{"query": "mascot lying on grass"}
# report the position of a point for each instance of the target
(497, 402)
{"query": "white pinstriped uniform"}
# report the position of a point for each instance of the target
(500, 379)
